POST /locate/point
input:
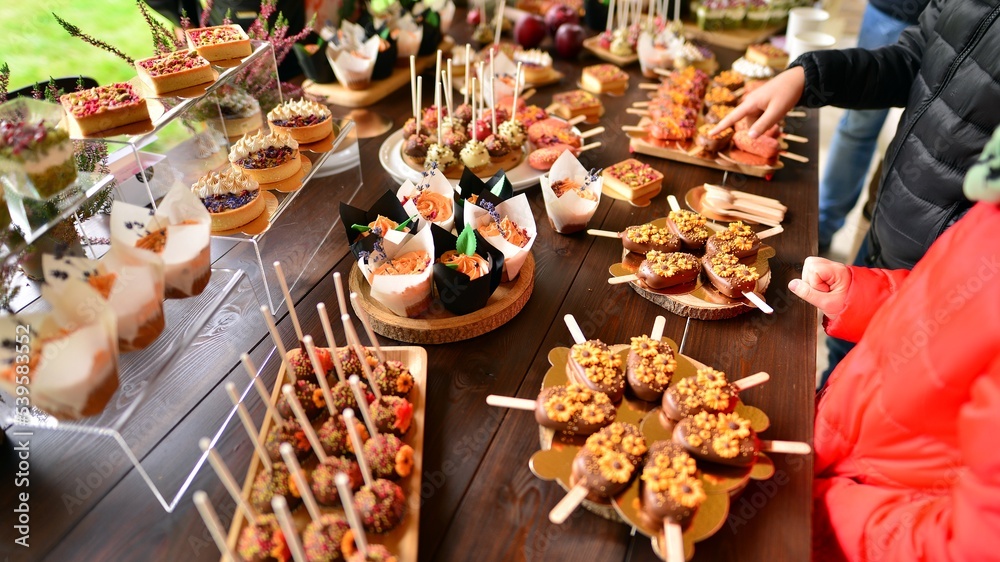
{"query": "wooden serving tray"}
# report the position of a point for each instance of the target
(402, 541)
(660, 149)
(440, 326)
(337, 94)
(735, 39)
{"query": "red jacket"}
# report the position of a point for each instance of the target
(907, 434)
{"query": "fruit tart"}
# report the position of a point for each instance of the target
(232, 198)
(174, 71)
(220, 42)
(266, 158)
(105, 107)
(304, 120)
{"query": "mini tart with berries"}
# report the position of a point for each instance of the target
(632, 179)
(43, 153)
(232, 198)
(221, 42)
(577, 102)
(174, 71)
(266, 158)
(304, 120)
(105, 107)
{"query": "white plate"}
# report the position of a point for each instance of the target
(391, 156)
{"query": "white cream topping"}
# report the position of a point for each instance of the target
(440, 154)
(298, 108)
(533, 57)
(259, 141)
(475, 155)
(752, 69)
(230, 181)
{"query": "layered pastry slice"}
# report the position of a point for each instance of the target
(105, 107)
(42, 153)
(306, 121)
(603, 78)
(221, 42)
(174, 71)
(576, 102)
(632, 179)
(232, 198)
(266, 158)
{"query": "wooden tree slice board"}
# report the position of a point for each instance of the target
(643, 145)
(735, 39)
(440, 326)
(403, 540)
(337, 94)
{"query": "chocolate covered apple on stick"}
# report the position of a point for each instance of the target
(650, 364)
(380, 504)
(593, 364)
(671, 493)
(390, 414)
(728, 439)
(571, 408)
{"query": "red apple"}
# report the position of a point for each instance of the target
(569, 40)
(558, 15)
(474, 17)
(529, 31)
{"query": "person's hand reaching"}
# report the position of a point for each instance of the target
(824, 285)
(768, 104)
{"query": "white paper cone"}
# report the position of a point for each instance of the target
(570, 210)
(404, 295)
(519, 211)
(186, 255)
(434, 182)
(504, 68)
(351, 69)
(409, 38)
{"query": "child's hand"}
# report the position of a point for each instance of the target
(768, 104)
(824, 285)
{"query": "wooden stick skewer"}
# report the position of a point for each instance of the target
(659, 324)
(641, 104)
(366, 415)
(343, 483)
(278, 345)
(795, 114)
(288, 299)
(634, 129)
(261, 389)
(568, 504)
(304, 421)
(591, 132)
(366, 322)
(228, 481)
(760, 199)
(649, 86)
(603, 233)
(637, 111)
(280, 506)
(526, 95)
(211, 519)
(587, 147)
(324, 385)
(758, 301)
(770, 232)
(359, 446)
(248, 425)
(673, 538)
(574, 329)
(510, 402)
(793, 138)
(324, 319)
(359, 350)
(296, 472)
(787, 447)
(792, 156)
(499, 16)
(623, 279)
(662, 71)
(753, 380)
(338, 282)
(672, 201)
(576, 120)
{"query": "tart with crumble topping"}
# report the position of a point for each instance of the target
(266, 158)
(42, 152)
(232, 198)
(221, 42)
(105, 107)
(174, 71)
(306, 121)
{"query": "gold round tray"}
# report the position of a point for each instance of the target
(437, 325)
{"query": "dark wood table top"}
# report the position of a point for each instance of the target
(480, 501)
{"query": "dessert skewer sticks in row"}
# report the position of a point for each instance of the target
(324, 319)
(280, 507)
(211, 519)
(288, 299)
(366, 322)
(248, 425)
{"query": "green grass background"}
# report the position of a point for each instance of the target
(36, 47)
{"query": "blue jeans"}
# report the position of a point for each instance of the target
(854, 141)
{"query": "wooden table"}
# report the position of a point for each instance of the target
(480, 501)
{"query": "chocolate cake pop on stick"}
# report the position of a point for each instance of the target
(324, 534)
(734, 279)
(307, 427)
(391, 414)
(261, 538)
(324, 320)
(390, 376)
(387, 456)
(380, 503)
(273, 480)
(602, 468)
(687, 225)
(592, 364)
(707, 391)
(284, 515)
(650, 364)
(573, 408)
(341, 392)
(642, 238)
(663, 270)
(365, 552)
(738, 239)
(728, 439)
(307, 391)
(349, 359)
(282, 430)
(671, 493)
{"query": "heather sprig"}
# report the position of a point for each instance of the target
(164, 41)
(4, 81)
(76, 32)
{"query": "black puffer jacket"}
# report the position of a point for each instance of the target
(946, 72)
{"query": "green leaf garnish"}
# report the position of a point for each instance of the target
(405, 223)
(498, 187)
(361, 227)
(433, 19)
(451, 265)
(466, 243)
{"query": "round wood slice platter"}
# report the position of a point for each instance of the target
(437, 325)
